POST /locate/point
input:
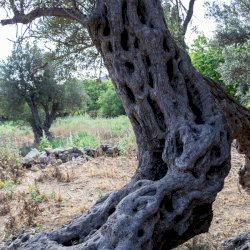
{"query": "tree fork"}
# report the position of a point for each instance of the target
(184, 125)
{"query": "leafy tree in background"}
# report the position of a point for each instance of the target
(233, 24)
(69, 45)
(93, 90)
(233, 37)
(235, 71)
(207, 58)
(110, 104)
(31, 90)
(102, 99)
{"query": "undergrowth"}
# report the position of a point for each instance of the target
(9, 161)
(79, 131)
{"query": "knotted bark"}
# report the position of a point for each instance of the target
(184, 124)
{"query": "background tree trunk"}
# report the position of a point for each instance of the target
(183, 130)
(35, 123)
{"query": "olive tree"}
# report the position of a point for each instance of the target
(184, 124)
(32, 90)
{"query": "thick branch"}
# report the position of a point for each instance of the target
(238, 117)
(48, 12)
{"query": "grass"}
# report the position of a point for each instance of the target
(102, 128)
(22, 206)
(79, 131)
(83, 131)
(8, 187)
(9, 161)
(35, 194)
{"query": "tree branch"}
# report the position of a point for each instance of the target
(188, 16)
(74, 4)
(47, 12)
(13, 7)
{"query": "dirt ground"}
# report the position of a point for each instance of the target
(45, 199)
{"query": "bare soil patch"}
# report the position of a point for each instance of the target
(47, 198)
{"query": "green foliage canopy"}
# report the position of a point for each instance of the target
(31, 89)
(207, 58)
(110, 104)
(102, 99)
(233, 36)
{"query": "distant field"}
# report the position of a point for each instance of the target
(73, 131)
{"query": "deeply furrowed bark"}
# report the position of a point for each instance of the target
(184, 125)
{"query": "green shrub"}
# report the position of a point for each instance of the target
(35, 194)
(83, 139)
(8, 187)
(127, 143)
(44, 143)
(110, 104)
(102, 99)
(93, 90)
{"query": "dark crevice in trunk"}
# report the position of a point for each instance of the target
(161, 170)
(72, 242)
(167, 205)
(141, 12)
(135, 121)
(170, 70)
(194, 173)
(111, 211)
(179, 145)
(124, 40)
(136, 43)
(215, 152)
(159, 117)
(215, 171)
(130, 67)
(195, 104)
(106, 29)
(109, 47)
(124, 13)
(165, 45)
(150, 80)
(129, 94)
(148, 61)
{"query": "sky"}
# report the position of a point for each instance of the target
(9, 33)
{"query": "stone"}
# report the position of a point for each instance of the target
(90, 152)
(60, 155)
(43, 159)
(31, 158)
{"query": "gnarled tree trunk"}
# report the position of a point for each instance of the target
(184, 125)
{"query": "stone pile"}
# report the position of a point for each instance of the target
(61, 155)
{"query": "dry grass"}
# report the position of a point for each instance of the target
(69, 190)
(64, 174)
(77, 185)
